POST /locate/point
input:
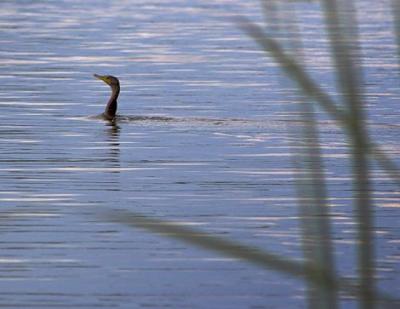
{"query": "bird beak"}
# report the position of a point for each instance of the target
(103, 78)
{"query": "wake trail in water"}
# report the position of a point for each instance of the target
(189, 121)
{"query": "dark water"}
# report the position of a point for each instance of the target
(219, 162)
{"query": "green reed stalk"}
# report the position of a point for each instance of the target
(396, 19)
(351, 118)
(237, 250)
(348, 80)
(310, 89)
(281, 21)
(315, 216)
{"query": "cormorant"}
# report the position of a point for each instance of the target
(111, 107)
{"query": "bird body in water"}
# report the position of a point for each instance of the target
(111, 107)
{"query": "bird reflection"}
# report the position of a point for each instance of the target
(112, 131)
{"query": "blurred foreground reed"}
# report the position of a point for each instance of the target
(318, 270)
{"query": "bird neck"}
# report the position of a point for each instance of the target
(111, 107)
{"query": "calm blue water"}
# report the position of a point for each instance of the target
(224, 164)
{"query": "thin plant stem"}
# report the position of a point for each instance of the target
(396, 19)
(315, 214)
(348, 81)
(309, 88)
(234, 249)
(281, 20)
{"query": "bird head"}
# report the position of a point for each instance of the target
(112, 81)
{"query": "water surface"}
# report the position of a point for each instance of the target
(219, 159)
